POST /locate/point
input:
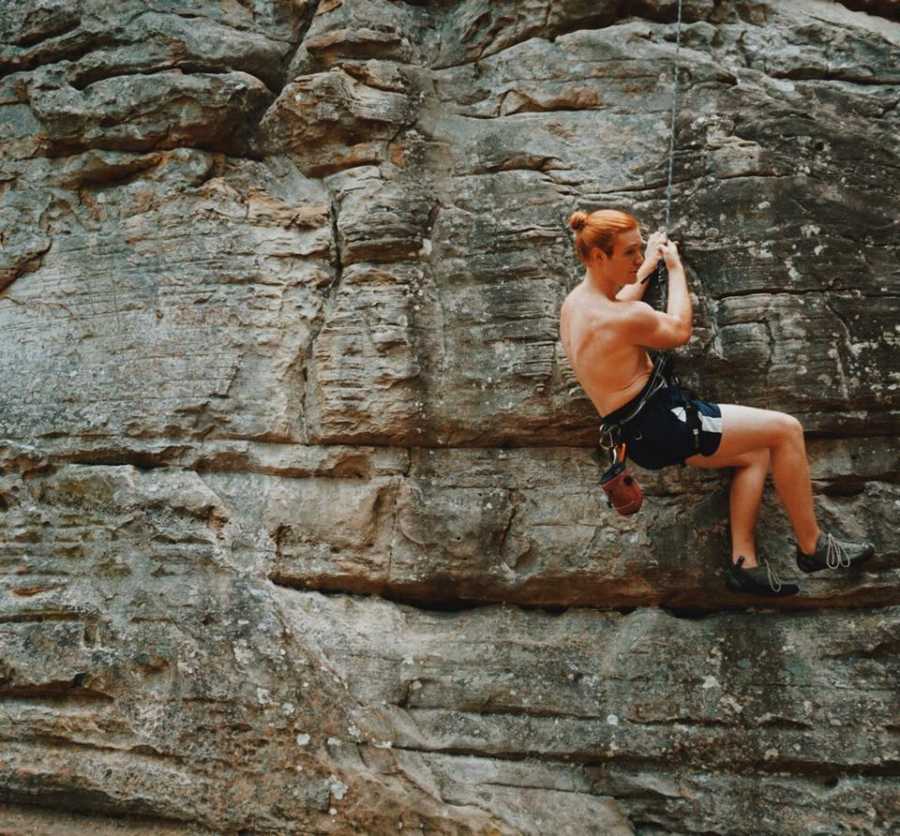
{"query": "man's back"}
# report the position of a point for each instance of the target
(594, 333)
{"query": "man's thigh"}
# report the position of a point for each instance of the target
(748, 434)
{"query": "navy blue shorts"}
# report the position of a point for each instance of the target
(659, 435)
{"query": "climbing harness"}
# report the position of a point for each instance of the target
(612, 433)
(622, 489)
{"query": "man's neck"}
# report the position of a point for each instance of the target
(601, 287)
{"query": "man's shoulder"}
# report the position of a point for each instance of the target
(631, 317)
(600, 310)
(571, 296)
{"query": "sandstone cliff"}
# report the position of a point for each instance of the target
(300, 530)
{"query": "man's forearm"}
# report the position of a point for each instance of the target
(679, 305)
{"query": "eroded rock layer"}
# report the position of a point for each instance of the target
(300, 529)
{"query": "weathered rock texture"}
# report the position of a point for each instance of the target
(300, 530)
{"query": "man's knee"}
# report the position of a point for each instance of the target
(789, 426)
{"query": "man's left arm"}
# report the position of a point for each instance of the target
(634, 292)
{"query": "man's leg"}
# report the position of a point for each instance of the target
(746, 431)
(747, 485)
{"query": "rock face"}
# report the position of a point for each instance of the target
(300, 529)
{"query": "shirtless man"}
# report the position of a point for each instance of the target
(605, 330)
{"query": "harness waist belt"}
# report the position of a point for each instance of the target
(625, 413)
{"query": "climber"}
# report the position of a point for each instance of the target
(606, 330)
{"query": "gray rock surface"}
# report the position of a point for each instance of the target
(300, 529)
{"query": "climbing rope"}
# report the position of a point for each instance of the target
(659, 265)
(674, 110)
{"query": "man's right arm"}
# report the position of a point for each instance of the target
(679, 305)
(652, 329)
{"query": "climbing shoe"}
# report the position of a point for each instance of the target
(758, 580)
(832, 553)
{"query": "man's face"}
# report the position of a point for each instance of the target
(628, 255)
